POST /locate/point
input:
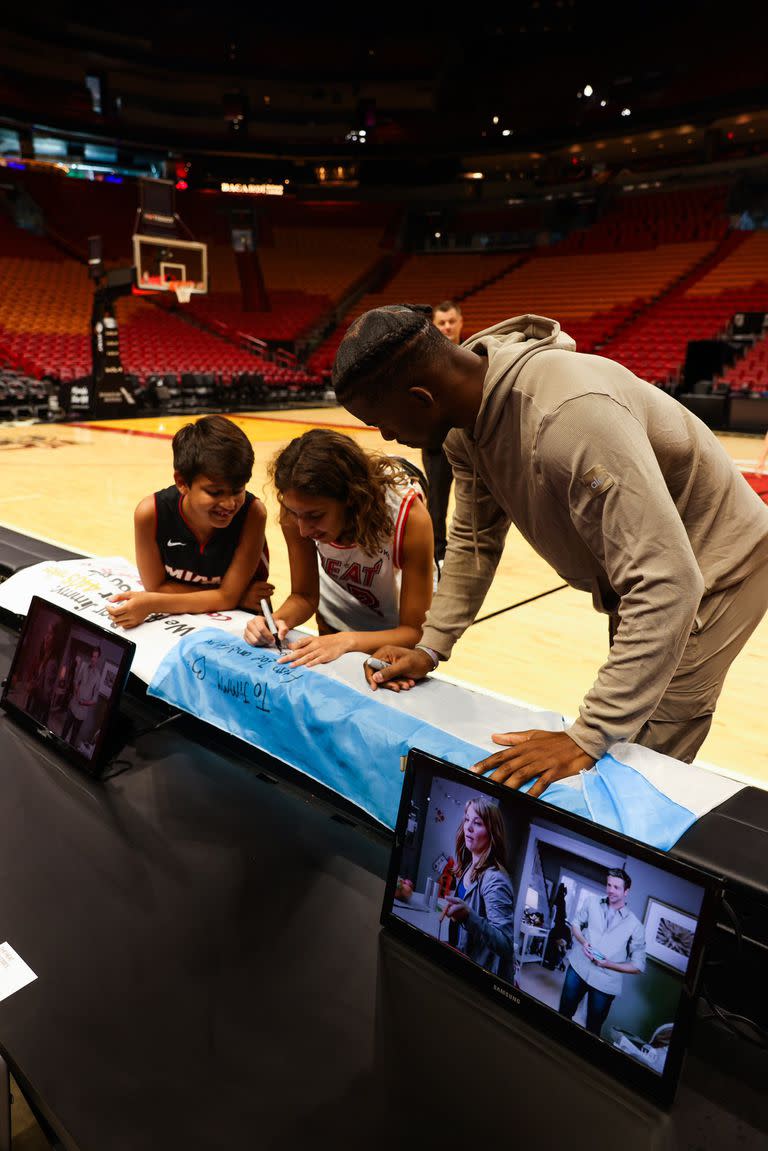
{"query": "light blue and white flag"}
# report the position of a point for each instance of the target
(346, 740)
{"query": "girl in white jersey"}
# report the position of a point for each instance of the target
(360, 548)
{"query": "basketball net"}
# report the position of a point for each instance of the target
(183, 290)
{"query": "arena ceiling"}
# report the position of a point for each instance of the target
(421, 86)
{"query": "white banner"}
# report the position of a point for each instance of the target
(84, 586)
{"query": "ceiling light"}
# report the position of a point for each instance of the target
(588, 89)
(507, 132)
(603, 103)
(626, 111)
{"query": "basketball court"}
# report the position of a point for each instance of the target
(536, 641)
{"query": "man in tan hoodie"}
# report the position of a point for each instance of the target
(621, 489)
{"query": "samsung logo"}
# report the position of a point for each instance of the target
(507, 994)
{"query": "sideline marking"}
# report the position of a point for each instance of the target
(257, 419)
(313, 423)
(124, 431)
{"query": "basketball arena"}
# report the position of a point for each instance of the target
(197, 209)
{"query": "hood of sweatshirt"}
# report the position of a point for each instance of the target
(508, 347)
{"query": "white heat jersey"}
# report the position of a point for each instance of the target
(360, 592)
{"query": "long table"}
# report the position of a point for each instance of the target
(211, 975)
(204, 928)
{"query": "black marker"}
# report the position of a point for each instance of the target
(271, 624)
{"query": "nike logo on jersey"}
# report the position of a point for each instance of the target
(175, 544)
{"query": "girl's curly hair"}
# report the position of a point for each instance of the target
(327, 463)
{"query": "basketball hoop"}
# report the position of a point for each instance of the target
(183, 290)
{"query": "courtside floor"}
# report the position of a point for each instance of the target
(77, 485)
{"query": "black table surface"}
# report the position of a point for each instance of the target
(205, 942)
(211, 975)
(19, 551)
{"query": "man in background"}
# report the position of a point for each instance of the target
(448, 319)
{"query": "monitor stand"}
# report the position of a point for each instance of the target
(123, 732)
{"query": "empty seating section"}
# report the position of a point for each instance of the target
(745, 266)
(421, 279)
(655, 346)
(305, 270)
(741, 281)
(45, 308)
(310, 255)
(322, 261)
(591, 294)
(291, 314)
(657, 270)
(73, 210)
(45, 302)
(640, 220)
(598, 279)
(750, 374)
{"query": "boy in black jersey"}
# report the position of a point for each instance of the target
(200, 543)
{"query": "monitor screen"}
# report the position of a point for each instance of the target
(66, 679)
(590, 936)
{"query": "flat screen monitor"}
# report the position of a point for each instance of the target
(65, 682)
(591, 937)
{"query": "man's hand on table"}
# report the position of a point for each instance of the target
(407, 666)
(550, 755)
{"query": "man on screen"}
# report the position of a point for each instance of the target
(608, 942)
(85, 696)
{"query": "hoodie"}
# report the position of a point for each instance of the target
(619, 487)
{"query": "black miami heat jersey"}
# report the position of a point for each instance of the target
(184, 557)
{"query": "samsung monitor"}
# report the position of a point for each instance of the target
(591, 937)
(65, 682)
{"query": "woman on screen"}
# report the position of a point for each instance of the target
(44, 674)
(482, 911)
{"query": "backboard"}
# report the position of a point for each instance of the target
(162, 262)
